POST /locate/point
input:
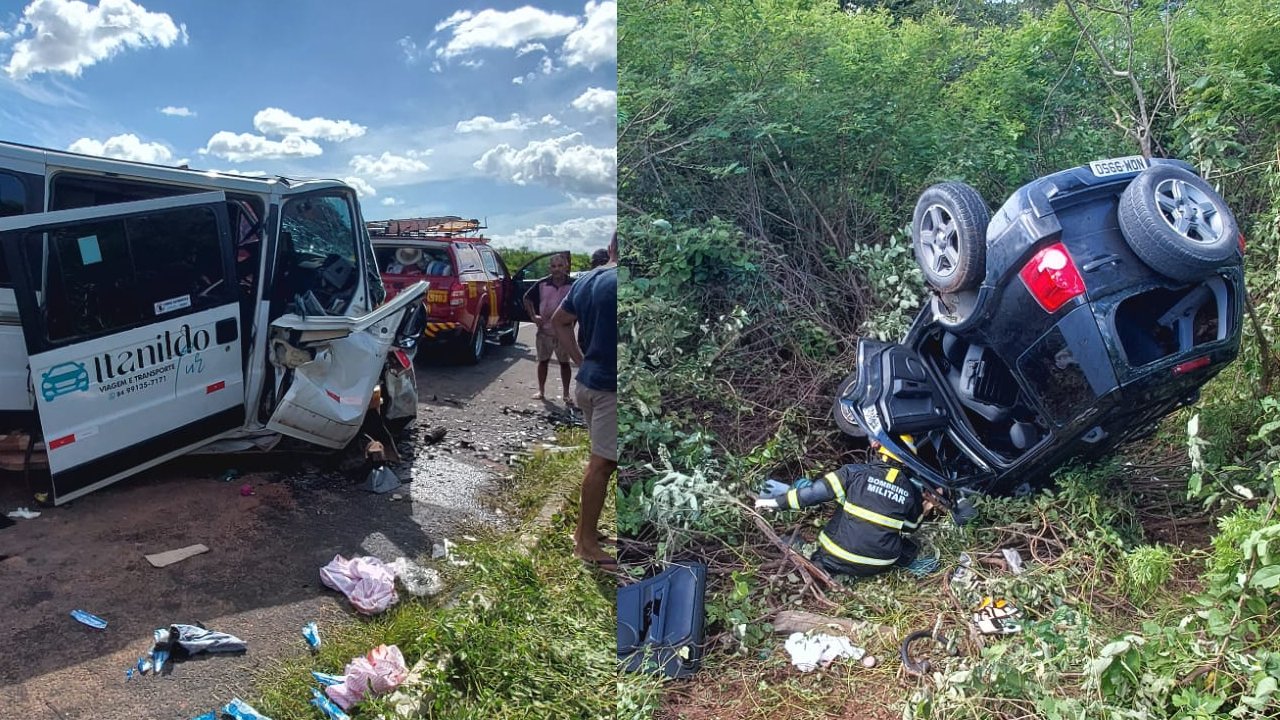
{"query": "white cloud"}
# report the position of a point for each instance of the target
(243, 146)
(599, 202)
(597, 100)
(517, 80)
(473, 64)
(274, 121)
(362, 186)
(484, 123)
(177, 111)
(564, 163)
(67, 36)
(596, 42)
(547, 66)
(577, 235)
(549, 120)
(497, 29)
(388, 166)
(390, 202)
(531, 47)
(124, 147)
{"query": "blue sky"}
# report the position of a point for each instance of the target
(503, 111)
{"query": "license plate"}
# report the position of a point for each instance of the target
(1118, 166)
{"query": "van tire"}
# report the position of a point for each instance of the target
(949, 236)
(1177, 223)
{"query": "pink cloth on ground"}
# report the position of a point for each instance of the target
(380, 671)
(367, 583)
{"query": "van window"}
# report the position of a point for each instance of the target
(318, 246)
(13, 197)
(74, 191)
(108, 275)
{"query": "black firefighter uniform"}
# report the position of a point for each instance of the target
(879, 505)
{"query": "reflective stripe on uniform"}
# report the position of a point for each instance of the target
(831, 547)
(893, 475)
(837, 487)
(875, 517)
(793, 499)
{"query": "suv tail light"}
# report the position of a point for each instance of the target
(1241, 241)
(1052, 278)
(457, 294)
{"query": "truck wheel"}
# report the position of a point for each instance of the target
(473, 349)
(509, 333)
(949, 235)
(1176, 223)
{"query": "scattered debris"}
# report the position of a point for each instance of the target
(326, 706)
(997, 616)
(435, 434)
(1014, 560)
(809, 651)
(207, 716)
(787, 622)
(869, 661)
(381, 480)
(366, 581)
(241, 710)
(661, 621)
(23, 513)
(441, 549)
(379, 671)
(89, 619)
(325, 678)
(396, 496)
(170, 557)
(181, 641)
(230, 474)
(416, 579)
(920, 666)
(312, 634)
(246, 490)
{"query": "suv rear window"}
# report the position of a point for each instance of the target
(468, 258)
(416, 260)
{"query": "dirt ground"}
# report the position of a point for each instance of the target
(260, 580)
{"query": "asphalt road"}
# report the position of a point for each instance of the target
(259, 581)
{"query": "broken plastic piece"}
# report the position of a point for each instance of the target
(207, 716)
(89, 619)
(312, 634)
(241, 710)
(1014, 559)
(144, 665)
(417, 580)
(809, 651)
(158, 660)
(23, 513)
(326, 706)
(170, 557)
(326, 679)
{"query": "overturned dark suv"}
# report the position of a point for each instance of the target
(1096, 301)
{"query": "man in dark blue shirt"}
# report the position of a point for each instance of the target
(593, 304)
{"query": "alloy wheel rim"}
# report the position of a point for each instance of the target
(1189, 211)
(940, 241)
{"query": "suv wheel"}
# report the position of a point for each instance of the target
(1176, 223)
(473, 350)
(509, 333)
(949, 234)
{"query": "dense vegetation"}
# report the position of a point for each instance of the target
(770, 155)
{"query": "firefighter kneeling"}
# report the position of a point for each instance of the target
(880, 504)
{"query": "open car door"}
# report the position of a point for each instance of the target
(327, 367)
(132, 325)
(521, 281)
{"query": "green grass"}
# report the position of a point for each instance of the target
(517, 634)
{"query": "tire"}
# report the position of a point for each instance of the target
(949, 236)
(846, 425)
(1177, 224)
(509, 338)
(472, 349)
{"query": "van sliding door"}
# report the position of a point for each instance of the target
(132, 323)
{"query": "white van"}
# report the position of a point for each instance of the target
(146, 311)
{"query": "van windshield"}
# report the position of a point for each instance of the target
(318, 253)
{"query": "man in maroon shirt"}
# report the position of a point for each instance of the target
(541, 302)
